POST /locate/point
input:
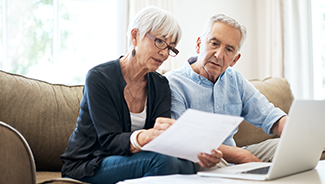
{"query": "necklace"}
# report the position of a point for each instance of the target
(136, 94)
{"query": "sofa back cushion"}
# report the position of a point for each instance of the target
(45, 114)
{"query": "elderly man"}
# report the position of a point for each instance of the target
(208, 83)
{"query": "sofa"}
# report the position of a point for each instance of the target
(43, 116)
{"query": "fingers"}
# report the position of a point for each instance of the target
(164, 121)
(161, 124)
(206, 161)
(210, 160)
(217, 154)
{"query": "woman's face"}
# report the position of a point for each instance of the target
(150, 56)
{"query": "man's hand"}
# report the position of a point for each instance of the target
(207, 160)
(278, 126)
(237, 155)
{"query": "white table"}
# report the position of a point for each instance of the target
(315, 176)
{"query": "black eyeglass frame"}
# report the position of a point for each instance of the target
(171, 49)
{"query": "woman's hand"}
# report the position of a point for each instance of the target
(209, 160)
(160, 126)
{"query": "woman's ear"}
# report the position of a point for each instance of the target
(134, 36)
(198, 44)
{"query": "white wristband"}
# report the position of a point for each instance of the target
(134, 139)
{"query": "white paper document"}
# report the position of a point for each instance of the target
(179, 179)
(194, 132)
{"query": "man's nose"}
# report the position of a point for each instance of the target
(219, 53)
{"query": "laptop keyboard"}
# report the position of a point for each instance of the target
(262, 170)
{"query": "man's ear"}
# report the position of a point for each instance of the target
(235, 60)
(134, 36)
(198, 45)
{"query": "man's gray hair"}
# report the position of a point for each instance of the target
(227, 20)
(154, 19)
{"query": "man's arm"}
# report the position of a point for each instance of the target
(237, 155)
(278, 126)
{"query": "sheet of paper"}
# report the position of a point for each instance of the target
(194, 132)
(180, 179)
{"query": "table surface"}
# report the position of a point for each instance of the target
(315, 176)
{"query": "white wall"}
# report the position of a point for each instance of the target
(192, 16)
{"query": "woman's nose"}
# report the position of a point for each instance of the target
(164, 52)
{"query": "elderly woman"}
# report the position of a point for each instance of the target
(125, 105)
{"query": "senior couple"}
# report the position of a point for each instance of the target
(127, 104)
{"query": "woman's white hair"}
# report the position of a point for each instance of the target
(154, 19)
(227, 20)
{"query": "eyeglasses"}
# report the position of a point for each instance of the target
(161, 44)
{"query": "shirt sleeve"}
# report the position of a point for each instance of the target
(178, 102)
(257, 110)
(178, 106)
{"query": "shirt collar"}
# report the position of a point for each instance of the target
(196, 77)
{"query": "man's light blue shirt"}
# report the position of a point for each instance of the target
(232, 94)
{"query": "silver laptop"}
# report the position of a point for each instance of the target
(299, 148)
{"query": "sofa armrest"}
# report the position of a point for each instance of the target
(16, 158)
(277, 91)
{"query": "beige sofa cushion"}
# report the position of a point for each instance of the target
(278, 92)
(45, 114)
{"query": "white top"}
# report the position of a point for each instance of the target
(138, 119)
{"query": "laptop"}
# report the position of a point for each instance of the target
(299, 148)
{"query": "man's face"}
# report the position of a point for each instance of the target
(219, 49)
